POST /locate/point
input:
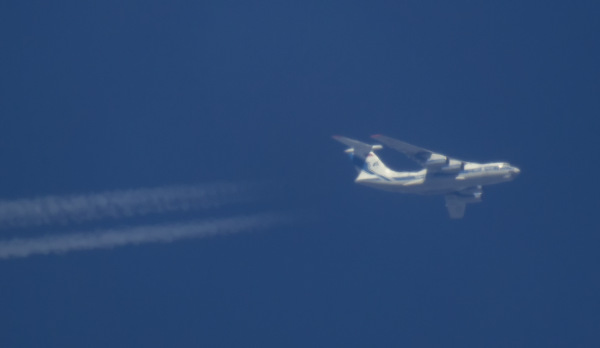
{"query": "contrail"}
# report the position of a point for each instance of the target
(137, 235)
(118, 204)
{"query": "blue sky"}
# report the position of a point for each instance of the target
(119, 95)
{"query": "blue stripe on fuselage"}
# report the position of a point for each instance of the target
(366, 169)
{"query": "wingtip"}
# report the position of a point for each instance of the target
(335, 136)
(376, 136)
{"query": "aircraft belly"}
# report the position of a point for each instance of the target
(382, 185)
(434, 185)
(420, 187)
(437, 186)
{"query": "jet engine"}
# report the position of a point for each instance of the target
(436, 161)
(440, 163)
(453, 166)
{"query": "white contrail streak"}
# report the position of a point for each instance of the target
(117, 204)
(137, 235)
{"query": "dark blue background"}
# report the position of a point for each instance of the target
(126, 94)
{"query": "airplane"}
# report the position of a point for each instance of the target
(461, 182)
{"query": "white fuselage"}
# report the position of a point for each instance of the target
(375, 174)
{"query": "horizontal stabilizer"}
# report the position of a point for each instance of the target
(361, 150)
(406, 148)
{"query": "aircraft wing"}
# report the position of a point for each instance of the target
(434, 162)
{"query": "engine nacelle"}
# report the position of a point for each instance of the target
(436, 161)
(453, 166)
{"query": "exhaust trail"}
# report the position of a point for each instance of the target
(119, 204)
(138, 235)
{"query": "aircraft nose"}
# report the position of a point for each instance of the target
(516, 171)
